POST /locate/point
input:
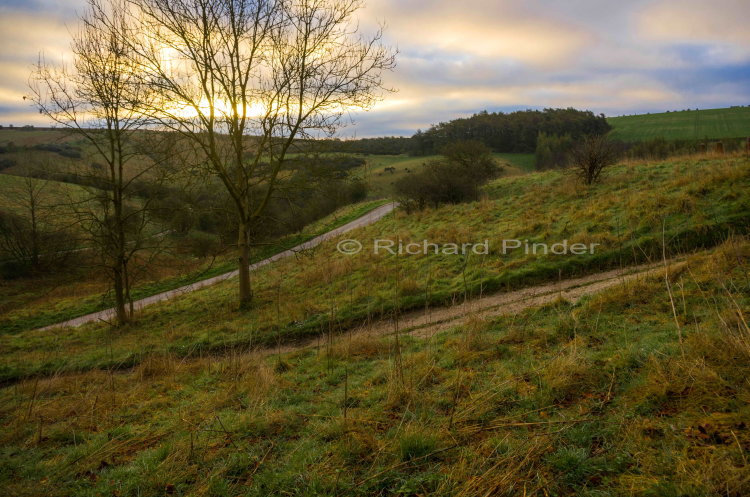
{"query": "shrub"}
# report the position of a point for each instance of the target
(591, 156)
(204, 244)
(63, 149)
(5, 163)
(455, 179)
(438, 183)
(471, 156)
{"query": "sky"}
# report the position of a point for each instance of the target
(459, 57)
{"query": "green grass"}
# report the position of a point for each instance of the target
(597, 398)
(381, 181)
(698, 202)
(733, 122)
(524, 162)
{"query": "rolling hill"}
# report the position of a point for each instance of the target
(382, 171)
(733, 122)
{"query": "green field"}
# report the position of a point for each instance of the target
(524, 162)
(52, 194)
(733, 122)
(36, 136)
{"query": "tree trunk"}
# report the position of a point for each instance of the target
(119, 282)
(246, 293)
(35, 249)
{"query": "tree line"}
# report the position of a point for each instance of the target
(384, 145)
(513, 132)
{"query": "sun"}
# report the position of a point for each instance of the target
(221, 108)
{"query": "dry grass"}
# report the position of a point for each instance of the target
(472, 339)
(569, 375)
(514, 472)
(359, 345)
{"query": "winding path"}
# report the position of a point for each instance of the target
(108, 314)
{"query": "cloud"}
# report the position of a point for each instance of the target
(720, 25)
(26, 35)
(460, 57)
(504, 29)
(611, 57)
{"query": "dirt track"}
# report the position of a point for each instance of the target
(428, 322)
(108, 314)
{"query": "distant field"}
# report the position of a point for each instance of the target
(30, 137)
(524, 162)
(733, 122)
(52, 194)
(381, 181)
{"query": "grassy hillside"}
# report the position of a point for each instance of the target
(733, 122)
(619, 394)
(381, 180)
(52, 194)
(688, 203)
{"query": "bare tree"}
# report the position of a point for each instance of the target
(244, 79)
(99, 97)
(591, 156)
(32, 234)
(29, 198)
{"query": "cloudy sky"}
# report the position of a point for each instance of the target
(457, 57)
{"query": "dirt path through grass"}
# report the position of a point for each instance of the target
(428, 322)
(108, 314)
